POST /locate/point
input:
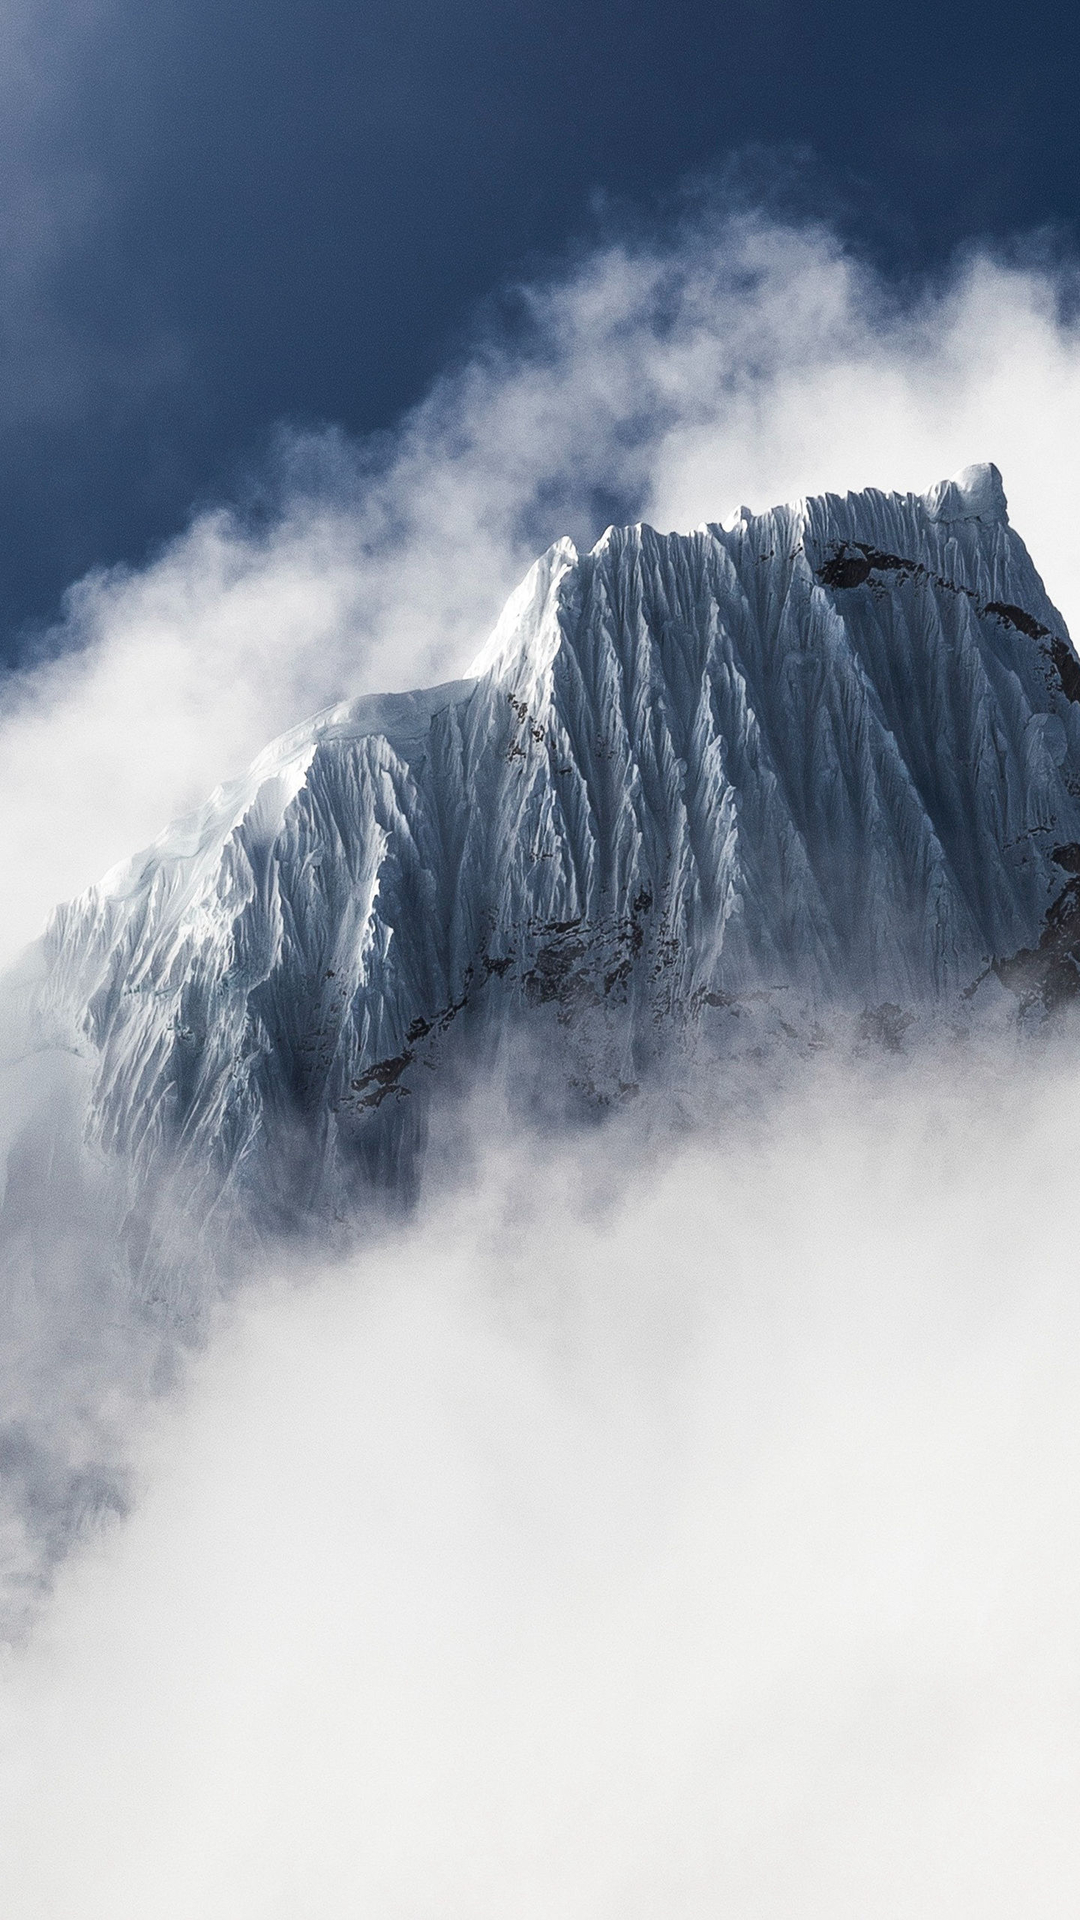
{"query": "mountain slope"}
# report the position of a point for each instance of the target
(823, 756)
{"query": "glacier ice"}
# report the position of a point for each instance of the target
(823, 756)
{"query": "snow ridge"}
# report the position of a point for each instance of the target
(825, 755)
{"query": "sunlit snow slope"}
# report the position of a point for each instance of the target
(824, 755)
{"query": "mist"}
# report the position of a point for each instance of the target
(651, 1528)
(675, 1518)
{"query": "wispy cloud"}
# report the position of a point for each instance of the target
(734, 359)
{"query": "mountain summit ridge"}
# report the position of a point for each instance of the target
(824, 755)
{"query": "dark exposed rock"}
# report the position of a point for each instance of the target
(1016, 617)
(1068, 667)
(1049, 974)
(851, 567)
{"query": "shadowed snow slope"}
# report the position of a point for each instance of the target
(821, 757)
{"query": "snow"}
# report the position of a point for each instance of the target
(823, 752)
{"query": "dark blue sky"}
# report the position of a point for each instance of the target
(219, 214)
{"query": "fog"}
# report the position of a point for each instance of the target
(675, 1519)
(647, 1531)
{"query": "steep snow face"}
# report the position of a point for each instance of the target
(827, 754)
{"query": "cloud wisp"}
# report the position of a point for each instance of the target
(734, 359)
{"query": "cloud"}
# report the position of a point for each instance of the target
(636, 1535)
(730, 358)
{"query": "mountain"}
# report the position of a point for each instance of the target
(696, 787)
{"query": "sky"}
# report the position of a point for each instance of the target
(215, 218)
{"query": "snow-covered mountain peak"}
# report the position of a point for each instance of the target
(696, 787)
(975, 493)
(526, 635)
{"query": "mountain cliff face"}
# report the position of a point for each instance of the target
(822, 757)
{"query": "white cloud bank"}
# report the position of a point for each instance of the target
(737, 360)
(696, 1538)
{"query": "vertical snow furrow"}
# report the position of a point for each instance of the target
(828, 751)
